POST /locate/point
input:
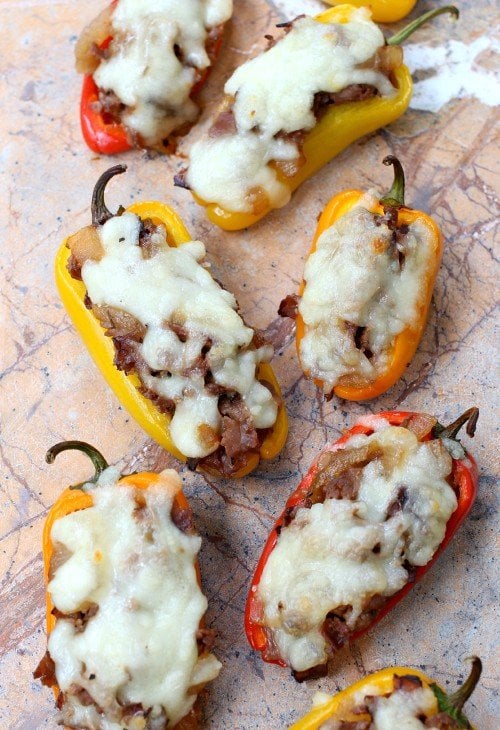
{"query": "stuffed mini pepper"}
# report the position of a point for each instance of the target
(126, 643)
(327, 82)
(367, 288)
(143, 64)
(367, 521)
(168, 338)
(396, 697)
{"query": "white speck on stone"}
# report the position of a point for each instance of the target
(456, 73)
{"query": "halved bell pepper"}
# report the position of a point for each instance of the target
(101, 349)
(341, 707)
(406, 343)
(464, 478)
(383, 11)
(76, 498)
(102, 133)
(340, 125)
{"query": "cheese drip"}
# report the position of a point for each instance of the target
(399, 710)
(343, 552)
(157, 49)
(140, 646)
(354, 276)
(274, 93)
(174, 288)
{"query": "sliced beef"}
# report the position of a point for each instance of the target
(127, 354)
(239, 434)
(164, 405)
(420, 424)
(110, 106)
(46, 671)
(182, 517)
(356, 725)
(79, 619)
(407, 683)
(339, 473)
(205, 638)
(74, 268)
(335, 630)
(288, 306)
(147, 242)
(353, 92)
(398, 502)
(119, 323)
(321, 670)
(225, 123)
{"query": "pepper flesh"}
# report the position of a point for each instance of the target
(340, 706)
(125, 387)
(105, 135)
(74, 499)
(406, 342)
(383, 11)
(341, 125)
(464, 478)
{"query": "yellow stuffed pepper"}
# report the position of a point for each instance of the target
(290, 110)
(393, 697)
(168, 338)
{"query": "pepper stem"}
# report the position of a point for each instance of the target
(395, 198)
(407, 31)
(450, 432)
(97, 459)
(452, 705)
(100, 213)
(460, 697)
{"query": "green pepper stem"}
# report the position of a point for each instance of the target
(407, 31)
(450, 432)
(460, 697)
(97, 459)
(395, 198)
(100, 213)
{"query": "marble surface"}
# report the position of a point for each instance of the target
(50, 389)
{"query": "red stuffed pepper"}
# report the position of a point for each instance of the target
(143, 64)
(367, 521)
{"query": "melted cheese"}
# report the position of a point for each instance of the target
(325, 557)
(354, 276)
(144, 70)
(274, 93)
(174, 287)
(399, 710)
(140, 647)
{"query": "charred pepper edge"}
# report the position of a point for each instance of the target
(465, 478)
(406, 343)
(334, 707)
(336, 130)
(101, 348)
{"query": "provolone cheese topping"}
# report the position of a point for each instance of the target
(343, 552)
(274, 93)
(139, 648)
(401, 709)
(173, 287)
(158, 47)
(354, 279)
